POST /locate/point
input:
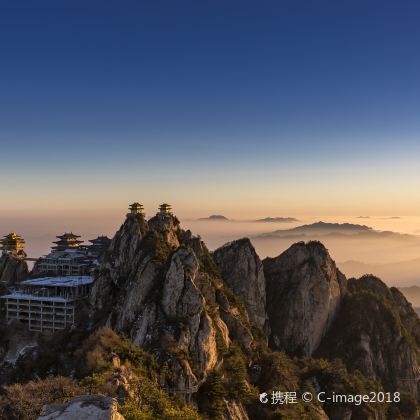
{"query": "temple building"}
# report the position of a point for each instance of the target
(67, 258)
(13, 244)
(67, 241)
(70, 258)
(99, 245)
(165, 208)
(136, 208)
(70, 262)
(47, 303)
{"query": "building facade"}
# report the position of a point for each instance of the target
(70, 262)
(67, 241)
(47, 303)
(70, 258)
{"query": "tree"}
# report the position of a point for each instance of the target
(211, 395)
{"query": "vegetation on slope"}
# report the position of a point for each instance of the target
(97, 363)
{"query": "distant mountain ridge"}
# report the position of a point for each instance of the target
(412, 293)
(277, 220)
(214, 217)
(324, 229)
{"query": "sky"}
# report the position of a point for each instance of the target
(245, 108)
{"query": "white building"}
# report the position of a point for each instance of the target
(47, 303)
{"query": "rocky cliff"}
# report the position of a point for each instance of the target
(12, 269)
(194, 311)
(242, 270)
(159, 286)
(377, 333)
(304, 292)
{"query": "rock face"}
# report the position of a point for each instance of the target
(121, 263)
(234, 411)
(87, 407)
(158, 285)
(167, 226)
(378, 333)
(242, 270)
(12, 269)
(304, 292)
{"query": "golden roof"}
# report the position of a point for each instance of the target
(136, 206)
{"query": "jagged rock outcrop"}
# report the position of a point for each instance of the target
(242, 270)
(154, 285)
(86, 407)
(236, 321)
(166, 225)
(160, 286)
(12, 269)
(377, 332)
(121, 262)
(16, 346)
(304, 292)
(407, 313)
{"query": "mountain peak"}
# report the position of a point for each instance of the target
(242, 270)
(303, 285)
(215, 217)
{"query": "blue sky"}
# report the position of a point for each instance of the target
(220, 102)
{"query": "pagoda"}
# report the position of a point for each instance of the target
(12, 244)
(136, 208)
(165, 208)
(67, 241)
(99, 245)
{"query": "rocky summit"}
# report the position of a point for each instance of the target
(377, 333)
(153, 287)
(242, 271)
(304, 292)
(12, 269)
(172, 330)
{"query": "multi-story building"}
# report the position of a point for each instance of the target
(70, 262)
(47, 303)
(67, 241)
(70, 258)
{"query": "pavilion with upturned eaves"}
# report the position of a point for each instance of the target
(67, 258)
(165, 208)
(67, 241)
(12, 244)
(99, 245)
(136, 208)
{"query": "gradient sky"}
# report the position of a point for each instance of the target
(238, 107)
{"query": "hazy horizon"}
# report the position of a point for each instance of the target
(40, 232)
